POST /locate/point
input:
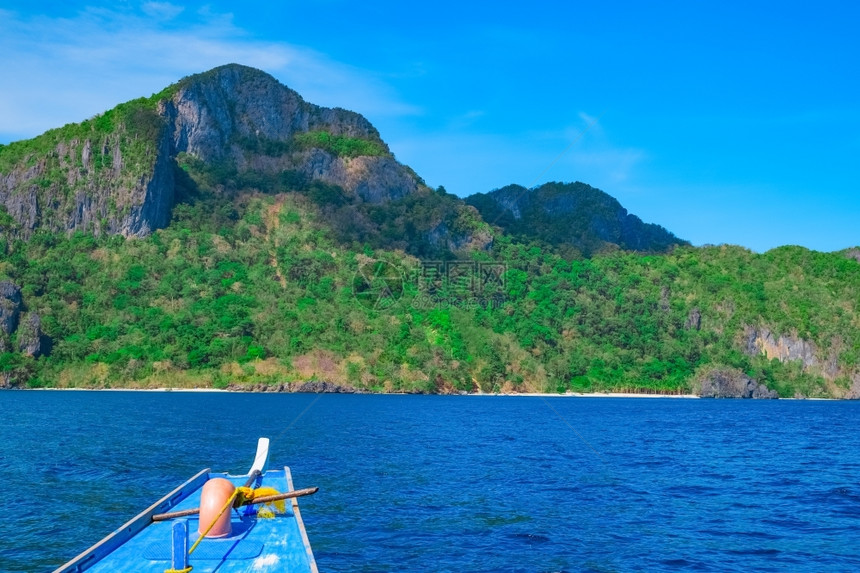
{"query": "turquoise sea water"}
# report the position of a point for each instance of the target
(435, 483)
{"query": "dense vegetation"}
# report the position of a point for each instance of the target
(340, 145)
(426, 223)
(273, 275)
(258, 287)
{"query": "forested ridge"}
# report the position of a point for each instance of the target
(248, 288)
(225, 233)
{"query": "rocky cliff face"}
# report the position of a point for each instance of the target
(80, 179)
(115, 173)
(24, 327)
(31, 340)
(244, 117)
(787, 348)
(210, 114)
(10, 307)
(575, 214)
(731, 383)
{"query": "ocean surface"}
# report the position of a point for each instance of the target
(449, 483)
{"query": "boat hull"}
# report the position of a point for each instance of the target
(279, 543)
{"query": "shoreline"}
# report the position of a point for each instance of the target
(123, 390)
(598, 395)
(481, 394)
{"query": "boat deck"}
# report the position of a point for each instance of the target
(259, 545)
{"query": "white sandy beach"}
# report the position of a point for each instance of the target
(514, 395)
(129, 389)
(588, 395)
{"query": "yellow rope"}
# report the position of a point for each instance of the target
(264, 512)
(236, 499)
(217, 517)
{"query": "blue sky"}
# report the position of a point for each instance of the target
(723, 123)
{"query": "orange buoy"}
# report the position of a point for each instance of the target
(213, 497)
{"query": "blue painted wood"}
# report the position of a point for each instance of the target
(282, 540)
(179, 547)
(115, 540)
(209, 549)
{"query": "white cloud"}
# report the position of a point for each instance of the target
(62, 70)
(583, 151)
(467, 163)
(466, 120)
(591, 122)
(162, 10)
(610, 165)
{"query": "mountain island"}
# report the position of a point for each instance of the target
(226, 233)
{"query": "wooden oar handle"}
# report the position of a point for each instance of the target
(280, 496)
(263, 499)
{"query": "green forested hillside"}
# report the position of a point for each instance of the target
(276, 241)
(249, 288)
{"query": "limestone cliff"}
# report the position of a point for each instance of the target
(244, 117)
(788, 347)
(724, 382)
(10, 307)
(114, 173)
(15, 323)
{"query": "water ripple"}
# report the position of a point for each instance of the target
(421, 483)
